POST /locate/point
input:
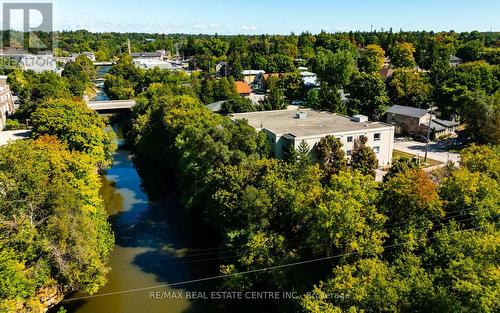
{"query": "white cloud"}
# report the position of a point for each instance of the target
(247, 27)
(112, 26)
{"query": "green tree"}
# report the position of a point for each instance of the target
(372, 59)
(329, 99)
(304, 155)
(483, 159)
(54, 232)
(336, 68)
(400, 166)
(410, 200)
(452, 85)
(368, 95)
(275, 98)
(331, 155)
(80, 128)
(471, 51)
(402, 55)
(409, 88)
(363, 158)
(294, 85)
(481, 115)
(79, 73)
(238, 105)
(346, 219)
(117, 88)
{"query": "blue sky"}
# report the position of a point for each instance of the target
(275, 16)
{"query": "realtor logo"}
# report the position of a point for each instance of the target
(27, 26)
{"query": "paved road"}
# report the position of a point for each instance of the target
(437, 151)
(6, 136)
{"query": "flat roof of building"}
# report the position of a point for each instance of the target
(253, 72)
(313, 123)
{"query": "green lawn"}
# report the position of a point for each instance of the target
(403, 155)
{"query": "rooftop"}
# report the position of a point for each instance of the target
(445, 122)
(243, 88)
(407, 111)
(312, 123)
(156, 54)
(386, 72)
(253, 72)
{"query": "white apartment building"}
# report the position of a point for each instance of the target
(290, 127)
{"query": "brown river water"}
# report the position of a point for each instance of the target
(154, 246)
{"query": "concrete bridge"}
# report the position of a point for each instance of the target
(104, 63)
(111, 105)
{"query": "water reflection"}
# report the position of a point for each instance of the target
(139, 259)
(153, 244)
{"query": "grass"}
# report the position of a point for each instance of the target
(403, 155)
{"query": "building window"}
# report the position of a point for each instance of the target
(376, 137)
(349, 153)
(349, 139)
(376, 150)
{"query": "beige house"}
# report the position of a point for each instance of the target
(286, 128)
(6, 101)
(250, 75)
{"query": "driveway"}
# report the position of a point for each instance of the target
(437, 151)
(11, 135)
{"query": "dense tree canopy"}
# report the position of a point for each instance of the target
(371, 59)
(409, 88)
(402, 55)
(408, 244)
(54, 231)
(79, 127)
(368, 95)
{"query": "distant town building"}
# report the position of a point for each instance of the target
(243, 89)
(287, 128)
(159, 55)
(260, 80)
(6, 101)
(310, 79)
(156, 63)
(90, 55)
(249, 75)
(415, 122)
(454, 60)
(222, 69)
(63, 61)
(386, 72)
(215, 106)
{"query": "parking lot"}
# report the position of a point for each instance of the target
(438, 151)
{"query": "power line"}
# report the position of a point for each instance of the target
(233, 255)
(227, 253)
(272, 268)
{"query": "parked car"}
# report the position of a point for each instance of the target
(421, 139)
(297, 102)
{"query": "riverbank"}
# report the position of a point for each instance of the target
(153, 244)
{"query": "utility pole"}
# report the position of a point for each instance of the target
(428, 134)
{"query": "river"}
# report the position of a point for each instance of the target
(155, 244)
